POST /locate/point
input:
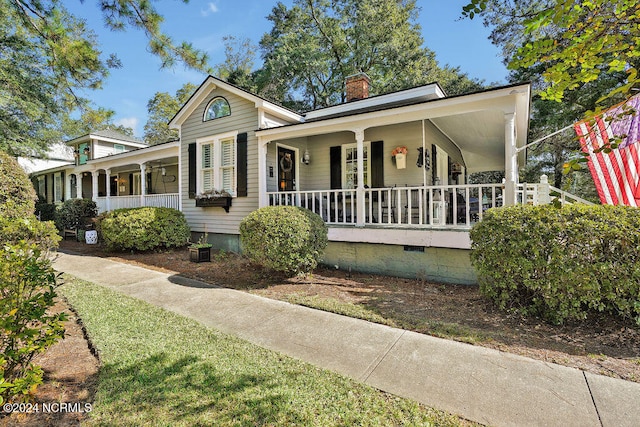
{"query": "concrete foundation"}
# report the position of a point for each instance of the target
(444, 265)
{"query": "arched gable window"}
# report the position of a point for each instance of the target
(218, 107)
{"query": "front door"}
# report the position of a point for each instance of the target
(286, 169)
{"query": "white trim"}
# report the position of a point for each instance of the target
(402, 236)
(297, 159)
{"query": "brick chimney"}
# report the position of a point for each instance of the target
(357, 87)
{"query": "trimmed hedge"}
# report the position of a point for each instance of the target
(143, 229)
(284, 238)
(560, 264)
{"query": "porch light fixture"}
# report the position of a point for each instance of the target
(76, 153)
(86, 151)
(306, 157)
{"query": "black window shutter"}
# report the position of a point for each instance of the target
(63, 185)
(192, 170)
(46, 188)
(335, 157)
(377, 164)
(241, 172)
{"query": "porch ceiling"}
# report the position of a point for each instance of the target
(480, 136)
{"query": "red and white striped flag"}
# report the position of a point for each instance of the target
(616, 173)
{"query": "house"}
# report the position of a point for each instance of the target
(114, 170)
(389, 174)
(392, 215)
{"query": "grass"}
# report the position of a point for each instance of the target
(162, 369)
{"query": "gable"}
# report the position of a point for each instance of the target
(210, 84)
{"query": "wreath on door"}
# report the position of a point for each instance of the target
(286, 163)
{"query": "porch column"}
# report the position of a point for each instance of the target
(510, 160)
(79, 185)
(108, 189)
(360, 209)
(143, 183)
(94, 185)
(262, 173)
(67, 185)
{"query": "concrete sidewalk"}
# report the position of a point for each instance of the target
(477, 383)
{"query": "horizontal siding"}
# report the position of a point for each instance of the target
(243, 118)
(316, 176)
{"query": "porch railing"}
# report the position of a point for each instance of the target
(169, 200)
(443, 205)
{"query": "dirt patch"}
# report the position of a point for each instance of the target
(71, 372)
(602, 345)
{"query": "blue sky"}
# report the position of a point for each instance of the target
(461, 43)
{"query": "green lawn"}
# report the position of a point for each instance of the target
(162, 369)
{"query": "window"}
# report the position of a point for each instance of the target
(57, 187)
(218, 107)
(118, 148)
(216, 163)
(350, 165)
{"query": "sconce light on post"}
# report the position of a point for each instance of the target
(306, 157)
(86, 151)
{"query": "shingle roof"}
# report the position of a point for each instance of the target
(110, 133)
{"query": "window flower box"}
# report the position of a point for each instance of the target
(214, 198)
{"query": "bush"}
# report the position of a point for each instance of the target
(560, 263)
(45, 211)
(144, 229)
(27, 290)
(284, 238)
(17, 196)
(29, 230)
(75, 213)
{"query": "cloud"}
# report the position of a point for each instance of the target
(211, 8)
(129, 122)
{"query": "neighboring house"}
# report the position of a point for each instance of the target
(386, 215)
(114, 170)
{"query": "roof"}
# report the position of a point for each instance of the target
(108, 134)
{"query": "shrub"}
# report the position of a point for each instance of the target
(560, 263)
(75, 213)
(27, 290)
(45, 211)
(17, 195)
(29, 230)
(284, 238)
(144, 229)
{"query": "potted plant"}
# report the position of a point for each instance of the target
(399, 154)
(201, 250)
(219, 198)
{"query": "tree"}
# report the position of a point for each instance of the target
(316, 44)
(237, 68)
(48, 56)
(509, 20)
(594, 37)
(162, 107)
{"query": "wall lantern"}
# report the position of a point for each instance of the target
(306, 157)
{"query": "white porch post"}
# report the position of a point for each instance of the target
(510, 160)
(94, 185)
(360, 208)
(79, 185)
(143, 183)
(262, 172)
(108, 192)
